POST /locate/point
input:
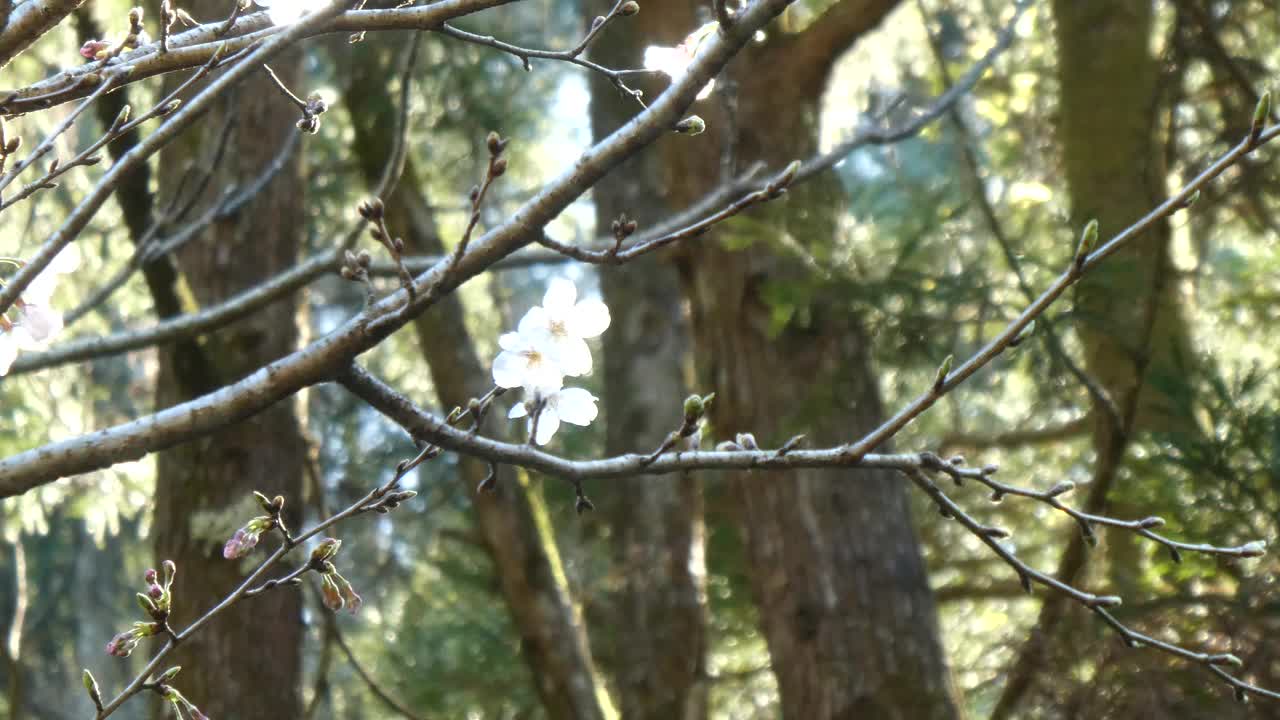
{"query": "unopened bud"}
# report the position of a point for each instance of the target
(1261, 114)
(135, 17)
(1065, 486)
(1088, 239)
(499, 167)
(1257, 548)
(494, 142)
(169, 674)
(692, 125)
(146, 604)
(325, 550)
(747, 441)
(694, 407)
(12, 146)
(629, 8)
(364, 259)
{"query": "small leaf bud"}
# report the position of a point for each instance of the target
(629, 8)
(692, 125)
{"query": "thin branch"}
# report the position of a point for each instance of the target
(1099, 604)
(326, 356)
(621, 8)
(374, 686)
(1083, 264)
(194, 47)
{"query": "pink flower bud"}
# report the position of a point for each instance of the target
(90, 49)
(151, 575)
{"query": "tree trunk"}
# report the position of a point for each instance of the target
(1128, 313)
(513, 521)
(658, 628)
(247, 663)
(835, 569)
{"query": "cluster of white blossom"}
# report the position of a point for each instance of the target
(35, 321)
(549, 345)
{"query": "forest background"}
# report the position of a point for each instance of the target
(963, 147)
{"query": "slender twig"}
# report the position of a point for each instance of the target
(1083, 264)
(255, 585)
(1099, 604)
(621, 8)
(615, 255)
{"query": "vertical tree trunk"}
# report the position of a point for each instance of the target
(845, 603)
(247, 663)
(1128, 313)
(658, 632)
(512, 521)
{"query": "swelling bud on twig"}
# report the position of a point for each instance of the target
(692, 125)
(91, 685)
(944, 370)
(1261, 114)
(1088, 239)
(629, 8)
(169, 674)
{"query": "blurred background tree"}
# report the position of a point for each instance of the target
(706, 596)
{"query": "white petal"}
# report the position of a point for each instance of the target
(66, 261)
(41, 288)
(518, 411)
(670, 61)
(283, 12)
(588, 319)
(573, 356)
(8, 352)
(513, 342)
(534, 323)
(577, 406)
(548, 423)
(543, 379)
(561, 294)
(509, 370)
(22, 338)
(41, 321)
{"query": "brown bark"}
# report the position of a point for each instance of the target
(247, 663)
(835, 568)
(1128, 311)
(513, 521)
(658, 628)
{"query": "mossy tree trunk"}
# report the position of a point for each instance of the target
(658, 624)
(247, 663)
(835, 567)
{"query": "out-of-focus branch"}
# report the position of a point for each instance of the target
(25, 23)
(375, 687)
(1019, 437)
(196, 46)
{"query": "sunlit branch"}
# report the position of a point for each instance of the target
(79, 218)
(622, 8)
(323, 358)
(194, 47)
(1078, 267)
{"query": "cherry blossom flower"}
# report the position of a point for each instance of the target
(284, 12)
(526, 360)
(562, 324)
(571, 405)
(674, 61)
